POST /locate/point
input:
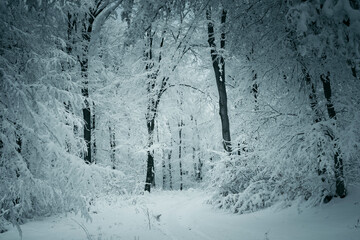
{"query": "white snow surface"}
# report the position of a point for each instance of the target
(185, 215)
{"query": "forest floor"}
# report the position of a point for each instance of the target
(164, 215)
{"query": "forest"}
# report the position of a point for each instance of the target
(254, 102)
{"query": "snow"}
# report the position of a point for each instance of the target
(184, 215)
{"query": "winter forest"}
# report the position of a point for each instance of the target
(245, 105)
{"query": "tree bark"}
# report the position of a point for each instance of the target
(150, 171)
(163, 168)
(338, 162)
(154, 97)
(86, 117)
(170, 169)
(93, 128)
(83, 59)
(84, 63)
(317, 118)
(180, 125)
(112, 146)
(218, 63)
(255, 90)
(150, 115)
(87, 29)
(169, 159)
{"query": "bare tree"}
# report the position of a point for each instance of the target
(218, 63)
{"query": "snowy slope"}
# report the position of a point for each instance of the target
(185, 216)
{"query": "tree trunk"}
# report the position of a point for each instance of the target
(180, 125)
(83, 60)
(163, 161)
(86, 117)
(321, 169)
(338, 162)
(112, 146)
(218, 63)
(1, 148)
(150, 172)
(163, 168)
(154, 97)
(67, 110)
(84, 63)
(196, 154)
(150, 115)
(93, 128)
(86, 27)
(317, 118)
(170, 170)
(255, 90)
(197, 166)
(169, 159)
(1, 142)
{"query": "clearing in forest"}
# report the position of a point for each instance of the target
(184, 215)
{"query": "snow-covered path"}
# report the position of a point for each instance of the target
(184, 216)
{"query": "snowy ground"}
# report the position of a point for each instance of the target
(184, 216)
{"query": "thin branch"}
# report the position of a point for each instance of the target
(187, 85)
(88, 236)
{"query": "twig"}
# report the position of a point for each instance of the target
(148, 215)
(88, 236)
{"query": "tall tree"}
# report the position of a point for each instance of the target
(218, 62)
(90, 23)
(338, 161)
(151, 112)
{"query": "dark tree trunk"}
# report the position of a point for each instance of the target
(321, 169)
(255, 86)
(169, 159)
(84, 63)
(154, 97)
(150, 115)
(170, 170)
(180, 125)
(87, 125)
(338, 162)
(93, 128)
(112, 147)
(1, 142)
(1, 148)
(163, 168)
(18, 142)
(194, 162)
(317, 118)
(86, 27)
(218, 63)
(67, 110)
(255, 90)
(150, 172)
(163, 160)
(128, 148)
